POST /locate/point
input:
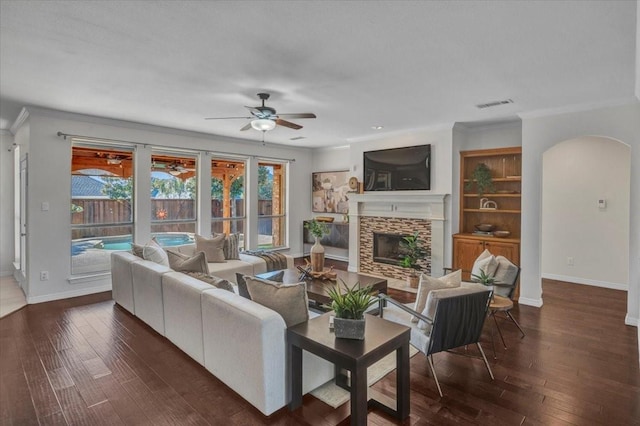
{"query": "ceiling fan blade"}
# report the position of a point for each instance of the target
(299, 115)
(288, 124)
(255, 111)
(246, 127)
(224, 118)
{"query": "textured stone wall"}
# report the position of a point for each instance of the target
(371, 224)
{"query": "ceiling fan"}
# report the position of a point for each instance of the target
(264, 118)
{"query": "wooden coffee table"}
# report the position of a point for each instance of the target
(317, 288)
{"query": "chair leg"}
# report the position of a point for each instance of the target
(516, 323)
(486, 363)
(493, 314)
(493, 341)
(433, 371)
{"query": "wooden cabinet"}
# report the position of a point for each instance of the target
(467, 248)
(505, 165)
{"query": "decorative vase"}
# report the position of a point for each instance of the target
(317, 256)
(345, 328)
(413, 281)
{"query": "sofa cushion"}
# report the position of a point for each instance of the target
(183, 263)
(242, 284)
(428, 284)
(137, 250)
(231, 246)
(212, 247)
(506, 273)
(212, 280)
(485, 262)
(154, 252)
(289, 300)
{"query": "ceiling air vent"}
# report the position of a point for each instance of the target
(494, 103)
(297, 138)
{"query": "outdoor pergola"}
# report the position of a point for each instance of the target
(120, 163)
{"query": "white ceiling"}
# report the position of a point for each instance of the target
(403, 65)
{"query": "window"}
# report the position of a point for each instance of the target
(271, 204)
(228, 214)
(101, 206)
(173, 198)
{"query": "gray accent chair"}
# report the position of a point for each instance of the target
(452, 318)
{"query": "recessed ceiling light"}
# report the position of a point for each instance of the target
(377, 127)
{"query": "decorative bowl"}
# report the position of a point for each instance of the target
(501, 234)
(485, 227)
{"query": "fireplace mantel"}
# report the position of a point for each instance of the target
(404, 204)
(407, 205)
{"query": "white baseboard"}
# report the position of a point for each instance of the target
(537, 303)
(6, 273)
(628, 320)
(68, 294)
(585, 281)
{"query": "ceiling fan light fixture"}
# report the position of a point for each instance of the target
(263, 124)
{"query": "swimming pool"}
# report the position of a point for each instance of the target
(165, 239)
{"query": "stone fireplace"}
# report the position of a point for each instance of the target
(377, 222)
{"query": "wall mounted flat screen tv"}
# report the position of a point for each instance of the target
(398, 169)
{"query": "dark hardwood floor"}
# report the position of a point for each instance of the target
(87, 361)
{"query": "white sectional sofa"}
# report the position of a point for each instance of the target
(239, 341)
(247, 265)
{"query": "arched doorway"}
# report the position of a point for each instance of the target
(585, 212)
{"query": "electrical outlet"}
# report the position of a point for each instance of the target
(570, 261)
(44, 275)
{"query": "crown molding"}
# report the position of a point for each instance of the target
(22, 117)
(568, 109)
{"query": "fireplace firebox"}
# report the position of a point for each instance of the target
(387, 248)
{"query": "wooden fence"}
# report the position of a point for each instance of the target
(105, 211)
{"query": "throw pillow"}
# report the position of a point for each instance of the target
(213, 280)
(289, 300)
(183, 263)
(242, 284)
(485, 262)
(427, 284)
(154, 252)
(507, 273)
(137, 249)
(232, 246)
(212, 248)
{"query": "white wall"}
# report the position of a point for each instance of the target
(49, 178)
(575, 174)
(541, 132)
(6, 204)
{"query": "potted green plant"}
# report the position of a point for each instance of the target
(349, 306)
(484, 279)
(414, 251)
(481, 177)
(318, 230)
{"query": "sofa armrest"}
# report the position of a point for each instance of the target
(244, 347)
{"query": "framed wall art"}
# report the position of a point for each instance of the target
(330, 192)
